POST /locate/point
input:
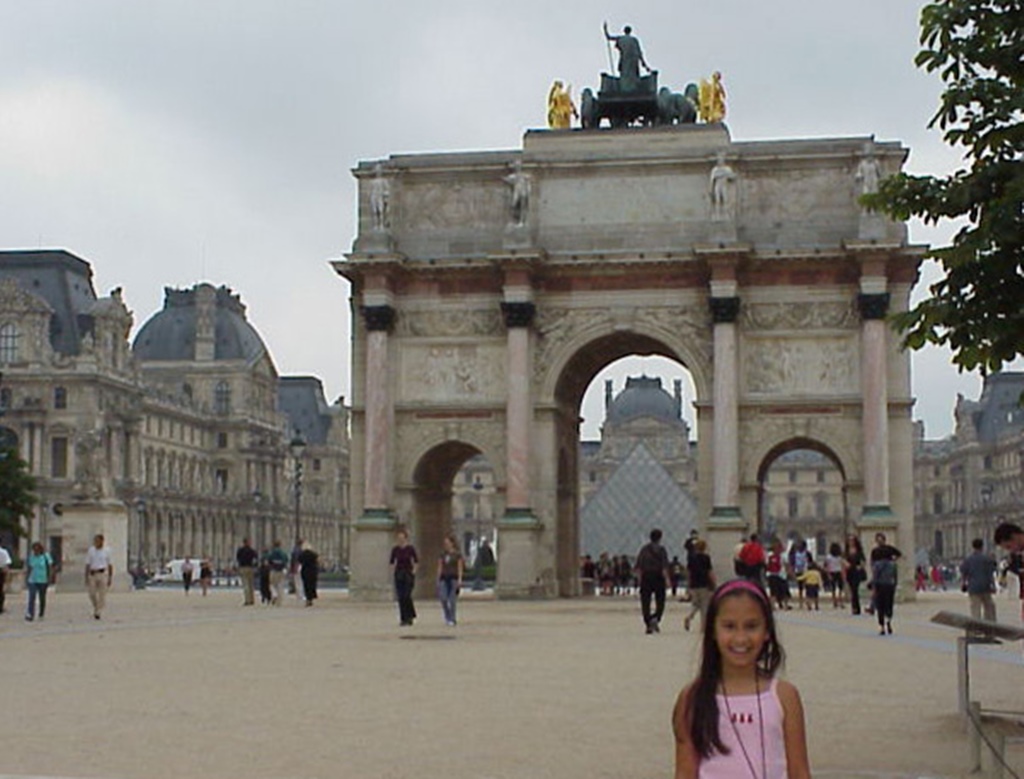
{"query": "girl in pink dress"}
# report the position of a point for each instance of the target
(736, 720)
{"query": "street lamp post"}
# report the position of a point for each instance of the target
(478, 581)
(298, 447)
(140, 516)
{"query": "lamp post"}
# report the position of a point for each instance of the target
(478, 581)
(986, 499)
(255, 528)
(298, 447)
(140, 517)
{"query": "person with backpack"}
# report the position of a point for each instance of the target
(653, 571)
(883, 581)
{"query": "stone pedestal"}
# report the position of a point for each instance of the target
(373, 535)
(78, 525)
(726, 527)
(519, 575)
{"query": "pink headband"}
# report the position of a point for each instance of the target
(740, 584)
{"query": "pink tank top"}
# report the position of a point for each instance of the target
(745, 713)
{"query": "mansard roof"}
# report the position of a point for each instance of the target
(64, 281)
(999, 409)
(301, 399)
(170, 334)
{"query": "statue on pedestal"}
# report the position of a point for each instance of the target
(520, 184)
(712, 99)
(630, 57)
(721, 183)
(380, 200)
(560, 106)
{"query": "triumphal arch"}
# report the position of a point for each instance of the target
(490, 288)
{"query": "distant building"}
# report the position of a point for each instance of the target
(186, 432)
(968, 483)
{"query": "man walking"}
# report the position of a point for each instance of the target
(979, 581)
(246, 559)
(99, 574)
(653, 571)
(278, 562)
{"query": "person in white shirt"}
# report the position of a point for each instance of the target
(5, 566)
(99, 574)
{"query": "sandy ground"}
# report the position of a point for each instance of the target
(173, 686)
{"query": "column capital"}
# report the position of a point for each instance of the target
(518, 314)
(378, 317)
(873, 305)
(724, 310)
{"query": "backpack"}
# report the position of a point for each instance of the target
(884, 571)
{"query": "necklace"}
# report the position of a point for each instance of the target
(739, 738)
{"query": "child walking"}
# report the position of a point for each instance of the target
(736, 720)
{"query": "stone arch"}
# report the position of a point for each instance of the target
(602, 344)
(571, 372)
(429, 515)
(771, 451)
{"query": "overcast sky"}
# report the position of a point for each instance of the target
(174, 142)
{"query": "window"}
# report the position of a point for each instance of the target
(987, 462)
(820, 505)
(222, 440)
(316, 463)
(8, 343)
(937, 503)
(221, 479)
(59, 457)
(222, 398)
(937, 471)
(821, 477)
(6, 398)
(793, 506)
(60, 397)
(792, 477)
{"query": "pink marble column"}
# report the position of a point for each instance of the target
(518, 317)
(726, 482)
(874, 390)
(378, 407)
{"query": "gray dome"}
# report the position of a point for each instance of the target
(644, 397)
(170, 334)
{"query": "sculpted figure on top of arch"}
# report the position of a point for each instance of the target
(799, 316)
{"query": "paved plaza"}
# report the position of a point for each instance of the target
(169, 687)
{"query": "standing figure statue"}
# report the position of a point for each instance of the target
(869, 173)
(630, 57)
(720, 184)
(380, 199)
(520, 203)
(560, 107)
(712, 99)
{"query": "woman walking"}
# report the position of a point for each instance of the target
(853, 563)
(404, 562)
(40, 573)
(309, 572)
(450, 568)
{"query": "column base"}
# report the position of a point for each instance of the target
(370, 547)
(726, 527)
(520, 576)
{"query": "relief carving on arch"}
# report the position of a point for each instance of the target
(446, 323)
(417, 437)
(837, 315)
(786, 366)
(452, 372)
(452, 206)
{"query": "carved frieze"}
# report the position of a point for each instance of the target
(801, 366)
(445, 373)
(453, 206)
(837, 315)
(449, 323)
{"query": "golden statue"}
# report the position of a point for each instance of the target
(712, 98)
(560, 107)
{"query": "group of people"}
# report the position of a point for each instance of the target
(272, 571)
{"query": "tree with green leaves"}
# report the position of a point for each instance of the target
(17, 492)
(977, 307)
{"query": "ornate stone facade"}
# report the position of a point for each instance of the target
(615, 254)
(968, 483)
(176, 446)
